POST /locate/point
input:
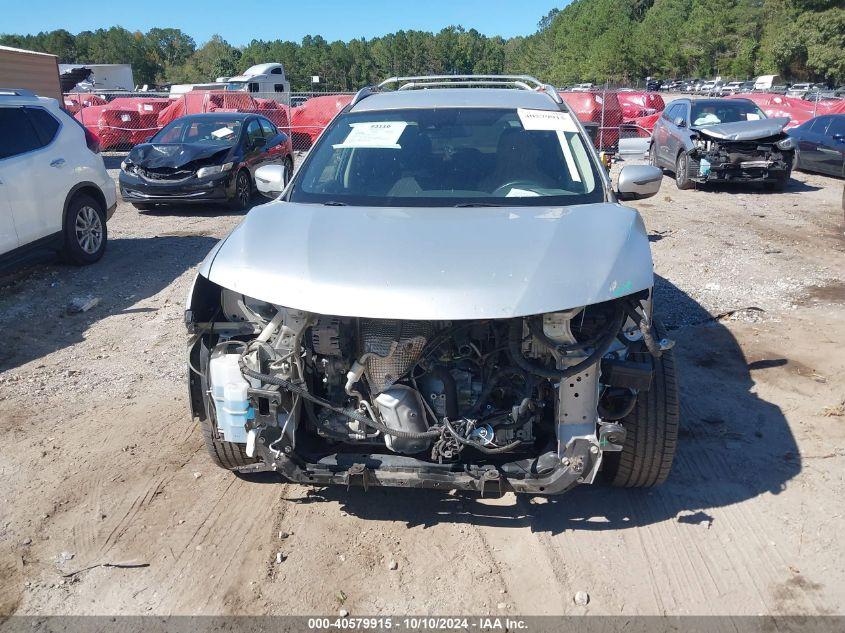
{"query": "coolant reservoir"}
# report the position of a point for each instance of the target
(230, 392)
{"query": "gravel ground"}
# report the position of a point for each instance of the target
(102, 463)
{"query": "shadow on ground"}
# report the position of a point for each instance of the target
(733, 447)
(34, 298)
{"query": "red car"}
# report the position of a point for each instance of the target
(202, 101)
(123, 122)
(75, 102)
(601, 109)
(310, 119)
(639, 104)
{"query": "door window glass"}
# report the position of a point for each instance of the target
(268, 129)
(18, 134)
(253, 133)
(45, 124)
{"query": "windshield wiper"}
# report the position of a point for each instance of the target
(466, 205)
(334, 203)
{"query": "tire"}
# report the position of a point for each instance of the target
(651, 431)
(682, 171)
(85, 231)
(243, 191)
(142, 206)
(227, 455)
(652, 156)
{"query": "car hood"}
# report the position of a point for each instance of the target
(744, 130)
(434, 263)
(156, 155)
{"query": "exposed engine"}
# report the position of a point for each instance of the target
(765, 159)
(540, 389)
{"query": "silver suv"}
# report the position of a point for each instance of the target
(448, 294)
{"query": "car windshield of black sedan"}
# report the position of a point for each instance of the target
(203, 130)
(706, 113)
(451, 157)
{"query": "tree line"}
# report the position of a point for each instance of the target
(619, 41)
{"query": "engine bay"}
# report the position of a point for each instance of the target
(534, 395)
(765, 159)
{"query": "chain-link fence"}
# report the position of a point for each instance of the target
(124, 119)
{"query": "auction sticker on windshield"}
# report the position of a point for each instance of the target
(374, 135)
(546, 120)
(223, 132)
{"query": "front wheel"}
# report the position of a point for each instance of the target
(682, 172)
(243, 191)
(652, 155)
(651, 430)
(85, 232)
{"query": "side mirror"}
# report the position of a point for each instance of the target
(680, 122)
(258, 143)
(839, 138)
(636, 182)
(270, 180)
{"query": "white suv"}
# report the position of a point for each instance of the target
(54, 188)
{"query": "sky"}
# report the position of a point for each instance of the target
(240, 21)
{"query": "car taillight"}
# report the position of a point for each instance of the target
(92, 141)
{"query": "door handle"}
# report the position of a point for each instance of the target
(59, 162)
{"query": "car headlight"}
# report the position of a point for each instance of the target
(202, 172)
(125, 166)
(786, 144)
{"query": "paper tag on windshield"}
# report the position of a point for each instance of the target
(375, 134)
(547, 120)
(522, 193)
(223, 132)
(751, 116)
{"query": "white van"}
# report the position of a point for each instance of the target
(765, 82)
(267, 79)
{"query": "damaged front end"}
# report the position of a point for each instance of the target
(741, 153)
(527, 404)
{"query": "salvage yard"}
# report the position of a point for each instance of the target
(102, 463)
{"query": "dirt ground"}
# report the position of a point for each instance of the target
(101, 462)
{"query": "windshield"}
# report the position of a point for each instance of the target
(206, 130)
(706, 113)
(236, 85)
(449, 157)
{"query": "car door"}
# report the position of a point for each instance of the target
(35, 171)
(662, 129)
(831, 148)
(680, 133)
(275, 148)
(810, 141)
(253, 145)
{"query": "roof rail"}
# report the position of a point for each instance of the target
(363, 93)
(522, 82)
(16, 92)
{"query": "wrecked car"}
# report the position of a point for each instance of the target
(721, 140)
(449, 294)
(204, 158)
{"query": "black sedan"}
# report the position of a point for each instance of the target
(821, 145)
(204, 158)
